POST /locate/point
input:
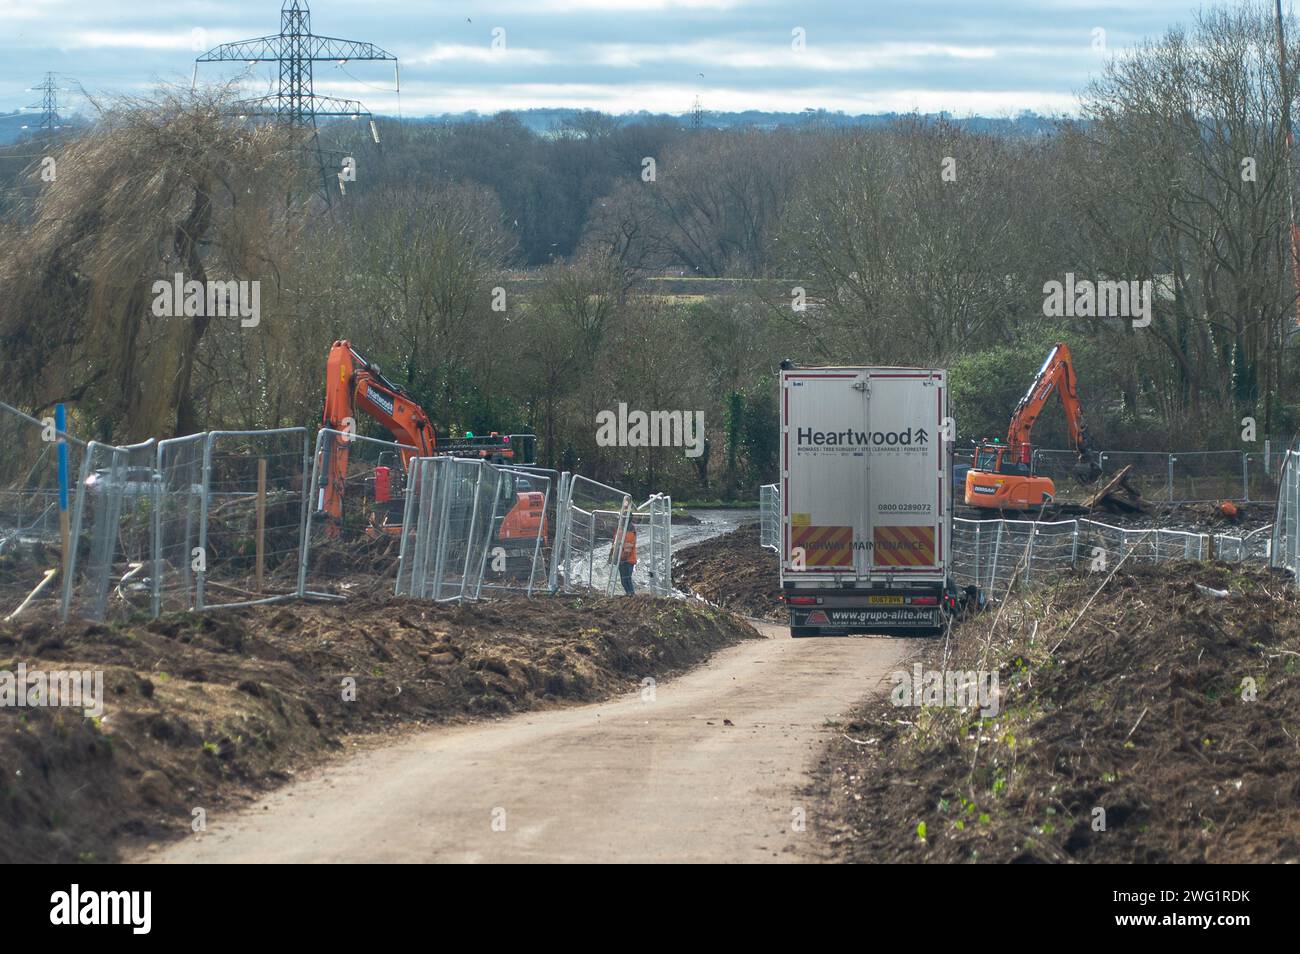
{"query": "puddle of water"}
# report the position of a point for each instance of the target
(713, 523)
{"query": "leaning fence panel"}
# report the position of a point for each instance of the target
(595, 525)
(111, 554)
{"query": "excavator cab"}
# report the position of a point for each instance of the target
(1002, 476)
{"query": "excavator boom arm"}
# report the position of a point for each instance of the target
(1056, 374)
(353, 384)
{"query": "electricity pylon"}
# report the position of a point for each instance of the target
(48, 107)
(295, 48)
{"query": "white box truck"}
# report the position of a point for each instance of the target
(866, 500)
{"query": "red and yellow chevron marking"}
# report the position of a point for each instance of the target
(824, 546)
(903, 546)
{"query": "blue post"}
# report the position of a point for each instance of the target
(61, 425)
(65, 531)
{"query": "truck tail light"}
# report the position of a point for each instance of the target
(925, 601)
(802, 600)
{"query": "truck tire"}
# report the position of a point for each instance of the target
(799, 631)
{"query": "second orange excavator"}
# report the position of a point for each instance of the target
(353, 385)
(1002, 475)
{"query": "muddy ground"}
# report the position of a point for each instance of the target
(1171, 710)
(732, 571)
(204, 711)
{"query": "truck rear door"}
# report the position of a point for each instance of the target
(906, 514)
(824, 478)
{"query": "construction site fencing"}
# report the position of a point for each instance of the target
(658, 553)
(177, 554)
(769, 516)
(998, 554)
(235, 518)
(208, 521)
(359, 546)
(995, 554)
(1285, 543)
(529, 480)
(463, 537)
(594, 520)
(252, 509)
(1181, 477)
(111, 547)
(31, 516)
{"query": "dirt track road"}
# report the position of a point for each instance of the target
(626, 780)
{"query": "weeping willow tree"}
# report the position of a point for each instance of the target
(171, 185)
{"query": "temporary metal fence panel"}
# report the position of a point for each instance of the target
(1263, 473)
(1178, 477)
(997, 554)
(112, 533)
(1058, 465)
(991, 553)
(1151, 471)
(177, 554)
(252, 514)
(518, 559)
(769, 516)
(467, 491)
(660, 555)
(476, 528)
(360, 546)
(595, 518)
(31, 537)
(421, 517)
(1209, 475)
(1284, 550)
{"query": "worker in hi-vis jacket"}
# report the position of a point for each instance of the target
(627, 559)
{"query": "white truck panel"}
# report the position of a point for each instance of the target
(864, 475)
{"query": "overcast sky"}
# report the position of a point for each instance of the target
(965, 56)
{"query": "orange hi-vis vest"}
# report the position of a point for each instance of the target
(629, 546)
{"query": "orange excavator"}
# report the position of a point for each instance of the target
(1002, 475)
(352, 385)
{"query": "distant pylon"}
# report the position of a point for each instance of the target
(295, 48)
(697, 114)
(50, 121)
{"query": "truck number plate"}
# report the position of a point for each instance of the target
(885, 600)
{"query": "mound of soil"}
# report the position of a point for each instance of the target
(733, 571)
(1161, 729)
(203, 710)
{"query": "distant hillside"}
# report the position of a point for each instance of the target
(11, 127)
(544, 120)
(12, 131)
